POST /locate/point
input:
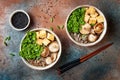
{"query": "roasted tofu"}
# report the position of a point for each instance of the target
(91, 10)
(42, 34)
(94, 15)
(46, 41)
(50, 37)
(87, 17)
(37, 35)
(92, 21)
(100, 19)
(39, 41)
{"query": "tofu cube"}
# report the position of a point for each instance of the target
(39, 41)
(87, 17)
(42, 34)
(92, 21)
(37, 35)
(45, 41)
(100, 19)
(91, 10)
(50, 37)
(94, 15)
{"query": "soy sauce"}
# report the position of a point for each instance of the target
(19, 20)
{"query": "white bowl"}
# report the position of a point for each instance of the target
(52, 64)
(16, 11)
(102, 34)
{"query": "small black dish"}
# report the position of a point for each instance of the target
(19, 20)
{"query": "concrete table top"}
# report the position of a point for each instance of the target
(104, 66)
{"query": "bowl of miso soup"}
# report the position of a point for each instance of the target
(86, 25)
(40, 49)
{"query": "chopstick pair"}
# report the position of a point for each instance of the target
(74, 63)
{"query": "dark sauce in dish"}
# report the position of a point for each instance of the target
(19, 20)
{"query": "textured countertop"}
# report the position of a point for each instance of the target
(104, 66)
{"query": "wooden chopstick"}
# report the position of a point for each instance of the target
(73, 63)
(88, 56)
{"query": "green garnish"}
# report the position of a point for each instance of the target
(62, 26)
(7, 39)
(84, 35)
(51, 28)
(30, 49)
(12, 54)
(58, 26)
(92, 24)
(5, 43)
(75, 20)
(51, 19)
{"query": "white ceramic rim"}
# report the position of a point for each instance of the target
(58, 56)
(101, 36)
(12, 16)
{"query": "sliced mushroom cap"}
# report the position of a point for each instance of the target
(54, 47)
(92, 38)
(85, 29)
(98, 28)
(53, 56)
(48, 60)
(45, 52)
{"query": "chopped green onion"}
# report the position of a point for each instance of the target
(58, 26)
(5, 43)
(51, 28)
(84, 35)
(76, 19)
(92, 24)
(29, 48)
(51, 19)
(7, 38)
(12, 54)
(62, 26)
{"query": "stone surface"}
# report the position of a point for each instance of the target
(105, 66)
